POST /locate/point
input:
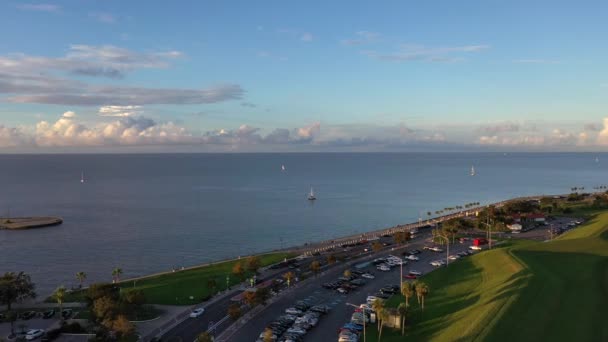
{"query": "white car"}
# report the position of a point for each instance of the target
(437, 263)
(370, 300)
(33, 334)
(367, 276)
(416, 273)
(412, 257)
(384, 268)
(437, 249)
(454, 257)
(293, 311)
(197, 312)
(475, 248)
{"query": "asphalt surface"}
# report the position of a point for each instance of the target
(189, 329)
(312, 292)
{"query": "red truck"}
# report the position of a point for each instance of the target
(479, 241)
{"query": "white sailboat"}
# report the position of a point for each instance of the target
(311, 195)
(82, 177)
(472, 170)
(597, 159)
(283, 168)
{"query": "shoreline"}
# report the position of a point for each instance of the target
(321, 246)
(22, 223)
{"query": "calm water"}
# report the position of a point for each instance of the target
(148, 213)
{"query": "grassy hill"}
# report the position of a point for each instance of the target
(524, 291)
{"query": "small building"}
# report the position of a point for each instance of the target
(533, 217)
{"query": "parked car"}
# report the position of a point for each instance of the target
(33, 334)
(367, 276)
(27, 315)
(410, 276)
(293, 311)
(475, 248)
(48, 314)
(412, 257)
(416, 273)
(66, 313)
(197, 312)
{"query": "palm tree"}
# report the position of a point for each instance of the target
(315, 267)
(59, 296)
(402, 313)
(116, 273)
(204, 337)
(81, 276)
(422, 289)
(347, 273)
(383, 316)
(378, 307)
(407, 290)
(211, 285)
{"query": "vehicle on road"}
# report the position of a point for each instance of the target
(66, 313)
(475, 248)
(416, 273)
(33, 334)
(437, 249)
(412, 257)
(368, 276)
(384, 268)
(197, 312)
(454, 257)
(410, 276)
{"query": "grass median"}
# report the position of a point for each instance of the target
(189, 286)
(524, 291)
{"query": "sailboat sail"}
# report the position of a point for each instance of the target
(472, 170)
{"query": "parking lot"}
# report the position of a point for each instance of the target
(338, 300)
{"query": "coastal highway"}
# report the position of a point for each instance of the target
(215, 312)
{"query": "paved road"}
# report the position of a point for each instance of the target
(192, 327)
(340, 314)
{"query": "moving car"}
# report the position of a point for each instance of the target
(197, 312)
(416, 273)
(33, 334)
(475, 248)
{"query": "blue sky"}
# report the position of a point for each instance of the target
(300, 76)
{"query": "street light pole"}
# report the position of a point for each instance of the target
(447, 256)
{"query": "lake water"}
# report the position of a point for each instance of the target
(149, 213)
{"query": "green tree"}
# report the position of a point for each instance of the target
(378, 307)
(59, 297)
(402, 313)
(399, 238)
(249, 297)
(238, 271)
(331, 259)
(315, 267)
(347, 273)
(407, 290)
(234, 311)
(211, 285)
(268, 336)
(376, 246)
(204, 337)
(254, 263)
(116, 273)
(261, 295)
(81, 277)
(11, 317)
(104, 309)
(133, 300)
(15, 287)
(422, 290)
(289, 276)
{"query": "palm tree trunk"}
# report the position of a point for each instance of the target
(380, 333)
(422, 302)
(402, 325)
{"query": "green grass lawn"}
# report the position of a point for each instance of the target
(524, 291)
(176, 288)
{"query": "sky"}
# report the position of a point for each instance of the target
(296, 76)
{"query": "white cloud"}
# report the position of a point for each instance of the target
(602, 138)
(39, 7)
(306, 37)
(119, 111)
(103, 17)
(408, 52)
(362, 37)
